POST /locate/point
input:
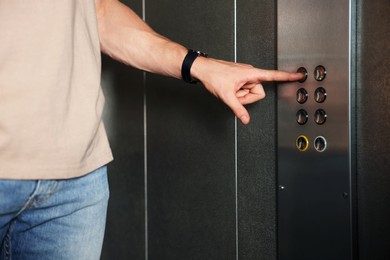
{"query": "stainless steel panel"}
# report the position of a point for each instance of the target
(314, 212)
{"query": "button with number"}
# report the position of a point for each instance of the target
(303, 71)
(320, 95)
(320, 144)
(320, 73)
(302, 117)
(302, 143)
(320, 116)
(302, 95)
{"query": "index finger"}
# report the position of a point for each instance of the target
(277, 75)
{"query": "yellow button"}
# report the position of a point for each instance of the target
(302, 143)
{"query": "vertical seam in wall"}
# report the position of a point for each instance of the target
(352, 124)
(145, 169)
(276, 145)
(145, 153)
(235, 136)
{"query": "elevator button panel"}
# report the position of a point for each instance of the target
(313, 130)
(319, 115)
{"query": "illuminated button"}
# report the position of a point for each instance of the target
(303, 71)
(320, 144)
(320, 116)
(320, 95)
(320, 73)
(302, 117)
(302, 143)
(302, 95)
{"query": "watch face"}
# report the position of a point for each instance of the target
(199, 53)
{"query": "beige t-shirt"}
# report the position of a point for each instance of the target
(51, 101)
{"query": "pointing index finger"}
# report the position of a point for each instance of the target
(276, 75)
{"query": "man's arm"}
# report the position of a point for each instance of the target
(127, 38)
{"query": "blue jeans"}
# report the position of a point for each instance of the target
(53, 219)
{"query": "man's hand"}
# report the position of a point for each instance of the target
(125, 37)
(236, 84)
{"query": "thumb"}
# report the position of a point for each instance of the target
(238, 109)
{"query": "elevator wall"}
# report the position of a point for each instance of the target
(188, 181)
(123, 88)
(373, 129)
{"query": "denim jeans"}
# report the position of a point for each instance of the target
(53, 219)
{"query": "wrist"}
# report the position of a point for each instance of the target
(199, 68)
(187, 70)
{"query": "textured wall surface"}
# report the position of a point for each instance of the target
(124, 91)
(191, 194)
(373, 129)
(209, 183)
(256, 44)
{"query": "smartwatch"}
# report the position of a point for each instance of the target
(187, 63)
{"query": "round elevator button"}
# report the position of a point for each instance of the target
(303, 71)
(320, 95)
(302, 95)
(302, 117)
(320, 116)
(320, 73)
(302, 143)
(320, 144)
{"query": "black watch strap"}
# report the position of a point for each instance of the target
(187, 63)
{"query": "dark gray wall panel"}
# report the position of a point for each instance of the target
(123, 89)
(191, 141)
(373, 132)
(256, 44)
(191, 194)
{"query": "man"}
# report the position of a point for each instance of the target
(53, 146)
